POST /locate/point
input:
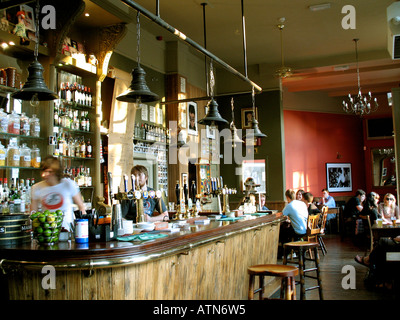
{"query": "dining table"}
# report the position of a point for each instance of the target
(386, 230)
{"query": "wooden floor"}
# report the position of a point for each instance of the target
(341, 254)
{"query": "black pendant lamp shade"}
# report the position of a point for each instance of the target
(256, 132)
(35, 85)
(212, 116)
(138, 90)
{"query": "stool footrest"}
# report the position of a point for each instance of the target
(312, 288)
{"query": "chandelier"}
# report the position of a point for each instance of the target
(360, 104)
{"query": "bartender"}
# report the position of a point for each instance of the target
(151, 206)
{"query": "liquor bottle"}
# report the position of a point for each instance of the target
(73, 92)
(88, 149)
(68, 95)
(6, 191)
(56, 115)
(82, 148)
(90, 98)
(87, 121)
(60, 145)
(61, 92)
(1, 190)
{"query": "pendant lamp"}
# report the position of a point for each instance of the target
(212, 118)
(35, 88)
(138, 90)
(255, 132)
(234, 138)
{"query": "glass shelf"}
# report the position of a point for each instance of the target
(14, 167)
(13, 135)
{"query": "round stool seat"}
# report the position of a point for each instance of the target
(301, 244)
(277, 270)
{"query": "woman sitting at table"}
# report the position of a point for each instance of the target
(388, 209)
(308, 200)
(371, 207)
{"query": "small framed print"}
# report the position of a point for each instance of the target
(144, 112)
(247, 117)
(152, 114)
(192, 118)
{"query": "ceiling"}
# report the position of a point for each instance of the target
(316, 46)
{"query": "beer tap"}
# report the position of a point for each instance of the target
(116, 218)
(138, 193)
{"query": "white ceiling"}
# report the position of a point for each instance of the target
(315, 44)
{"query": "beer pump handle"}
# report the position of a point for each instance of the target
(133, 182)
(110, 193)
(221, 182)
(125, 183)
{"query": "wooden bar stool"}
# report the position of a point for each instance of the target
(287, 273)
(301, 247)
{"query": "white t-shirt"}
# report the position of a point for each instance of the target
(57, 197)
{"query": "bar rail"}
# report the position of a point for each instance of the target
(67, 255)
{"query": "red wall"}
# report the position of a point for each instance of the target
(313, 139)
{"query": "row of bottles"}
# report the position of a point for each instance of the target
(152, 133)
(67, 117)
(77, 93)
(81, 175)
(16, 197)
(19, 124)
(19, 156)
(69, 146)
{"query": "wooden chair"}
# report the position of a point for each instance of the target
(313, 230)
(324, 215)
(370, 234)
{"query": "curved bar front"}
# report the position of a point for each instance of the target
(200, 262)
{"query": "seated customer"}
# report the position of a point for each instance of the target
(380, 270)
(262, 205)
(308, 200)
(354, 206)
(128, 207)
(370, 207)
(297, 213)
(327, 200)
(299, 194)
(388, 209)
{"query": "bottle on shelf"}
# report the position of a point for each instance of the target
(3, 154)
(88, 149)
(34, 124)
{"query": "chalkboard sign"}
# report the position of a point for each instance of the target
(379, 128)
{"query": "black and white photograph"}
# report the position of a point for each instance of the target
(192, 118)
(338, 177)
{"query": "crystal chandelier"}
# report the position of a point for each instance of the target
(360, 104)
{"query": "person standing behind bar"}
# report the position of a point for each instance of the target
(128, 207)
(297, 212)
(56, 192)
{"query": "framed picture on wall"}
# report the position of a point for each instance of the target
(338, 177)
(192, 118)
(247, 117)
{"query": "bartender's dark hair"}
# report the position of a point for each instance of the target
(54, 164)
(140, 169)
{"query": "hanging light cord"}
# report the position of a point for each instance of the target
(138, 37)
(36, 53)
(358, 69)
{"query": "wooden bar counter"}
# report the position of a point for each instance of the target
(200, 262)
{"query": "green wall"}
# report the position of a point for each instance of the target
(270, 118)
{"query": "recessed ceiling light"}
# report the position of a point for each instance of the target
(87, 14)
(319, 7)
